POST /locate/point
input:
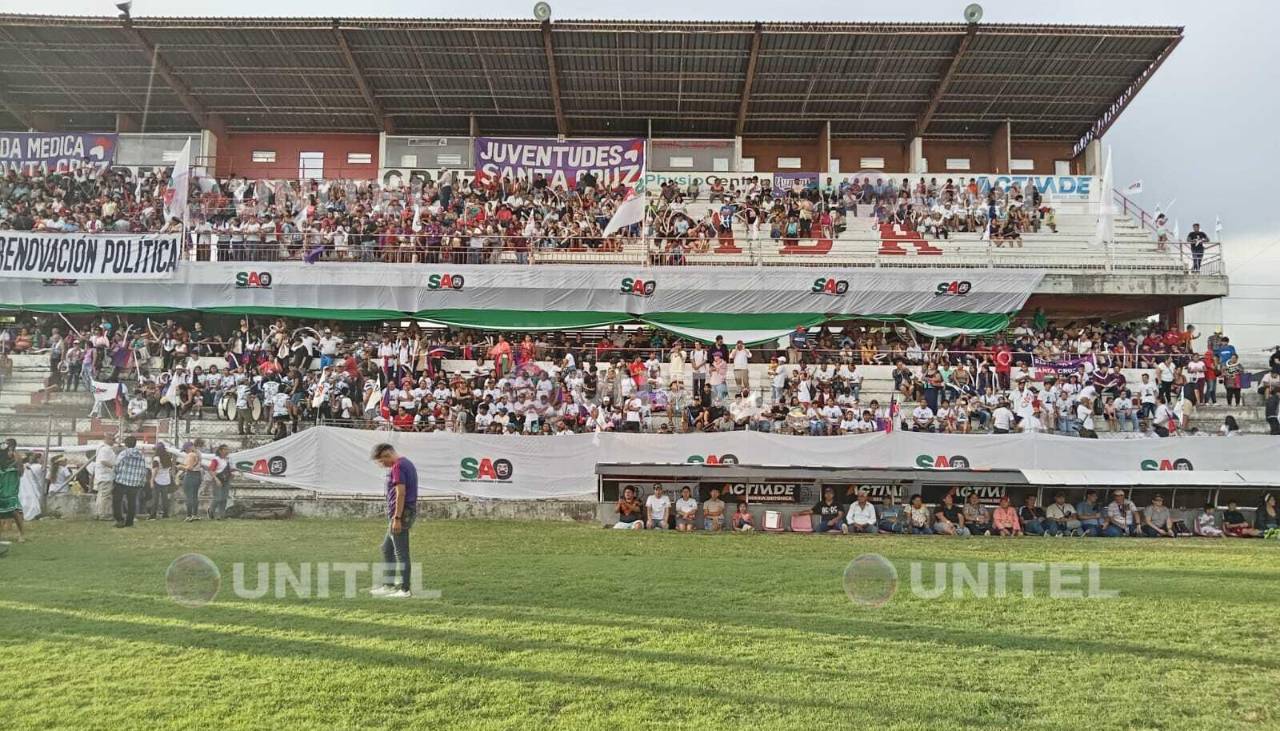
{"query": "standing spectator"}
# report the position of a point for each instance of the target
(10, 489)
(104, 470)
(161, 483)
(1272, 408)
(220, 468)
(130, 475)
(192, 474)
(741, 356)
(1197, 239)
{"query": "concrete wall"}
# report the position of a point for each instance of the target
(80, 507)
(851, 152)
(428, 151)
(149, 149)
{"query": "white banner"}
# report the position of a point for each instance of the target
(1051, 187)
(70, 256)
(335, 460)
(609, 289)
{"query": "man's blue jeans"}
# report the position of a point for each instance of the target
(395, 549)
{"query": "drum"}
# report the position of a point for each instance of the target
(255, 408)
(227, 407)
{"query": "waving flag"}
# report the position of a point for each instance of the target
(1217, 226)
(629, 213)
(175, 198)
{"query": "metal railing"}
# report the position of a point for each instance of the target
(676, 251)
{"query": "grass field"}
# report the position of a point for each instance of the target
(556, 625)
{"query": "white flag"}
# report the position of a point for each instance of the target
(1177, 230)
(105, 391)
(1134, 188)
(1217, 225)
(629, 213)
(175, 198)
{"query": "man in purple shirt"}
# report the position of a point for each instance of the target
(402, 508)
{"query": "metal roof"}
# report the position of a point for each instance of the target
(578, 77)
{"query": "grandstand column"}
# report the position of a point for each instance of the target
(1001, 148)
(1092, 155)
(127, 123)
(824, 148)
(915, 156)
(209, 148)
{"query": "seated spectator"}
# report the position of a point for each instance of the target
(861, 516)
(713, 512)
(1004, 519)
(1032, 517)
(890, 516)
(656, 506)
(629, 511)
(1060, 518)
(918, 517)
(742, 519)
(1234, 524)
(1267, 517)
(948, 518)
(1206, 523)
(686, 511)
(1121, 517)
(828, 511)
(1089, 515)
(976, 518)
(1156, 520)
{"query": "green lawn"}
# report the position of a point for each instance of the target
(553, 625)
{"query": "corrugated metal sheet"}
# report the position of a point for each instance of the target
(869, 80)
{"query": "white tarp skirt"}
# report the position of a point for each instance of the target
(334, 460)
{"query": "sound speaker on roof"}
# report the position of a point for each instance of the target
(972, 13)
(542, 11)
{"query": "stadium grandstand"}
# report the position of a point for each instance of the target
(244, 229)
(643, 331)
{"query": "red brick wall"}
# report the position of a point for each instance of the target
(937, 152)
(1044, 153)
(235, 154)
(766, 154)
(851, 152)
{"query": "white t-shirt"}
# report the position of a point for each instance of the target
(1002, 418)
(657, 506)
(922, 415)
(740, 358)
(1084, 415)
(686, 505)
(1147, 392)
